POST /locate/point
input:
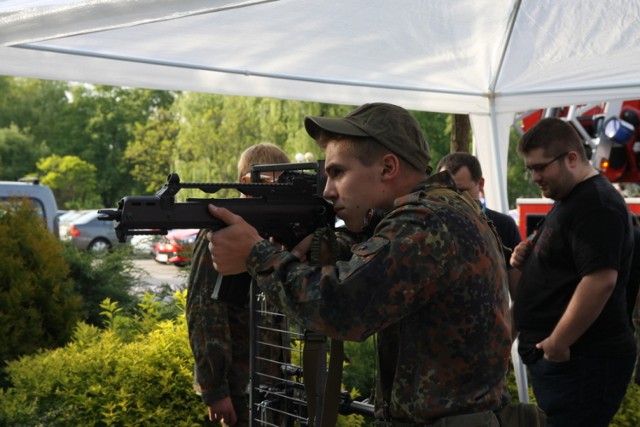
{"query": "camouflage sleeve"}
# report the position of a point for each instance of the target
(208, 327)
(375, 288)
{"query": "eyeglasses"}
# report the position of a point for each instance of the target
(540, 167)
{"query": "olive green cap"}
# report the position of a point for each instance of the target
(391, 126)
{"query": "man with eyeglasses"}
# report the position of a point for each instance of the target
(570, 307)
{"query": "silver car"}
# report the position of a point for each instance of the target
(87, 232)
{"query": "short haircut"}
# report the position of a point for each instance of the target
(555, 136)
(454, 161)
(366, 150)
(263, 153)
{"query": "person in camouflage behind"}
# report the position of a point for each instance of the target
(219, 331)
(431, 281)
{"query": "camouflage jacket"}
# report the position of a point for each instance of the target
(432, 283)
(218, 333)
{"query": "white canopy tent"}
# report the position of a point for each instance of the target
(486, 58)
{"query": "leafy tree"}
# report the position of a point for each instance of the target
(18, 153)
(213, 133)
(437, 130)
(109, 115)
(151, 152)
(36, 107)
(518, 182)
(72, 180)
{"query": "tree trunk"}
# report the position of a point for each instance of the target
(460, 133)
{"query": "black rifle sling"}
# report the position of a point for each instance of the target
(323, 395)
(334, 384)
(322, 387)
(314, 363)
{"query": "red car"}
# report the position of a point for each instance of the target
(176, 247)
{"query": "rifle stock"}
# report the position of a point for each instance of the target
(287, 210)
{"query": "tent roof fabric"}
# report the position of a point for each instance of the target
(461, 56)
(486, 58)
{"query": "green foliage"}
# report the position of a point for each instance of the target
(151, 152)
(518, 183)
(359, 370)
(18, 153)
(38, 108)
(106, 117)
(102, 380)
(72, 180)
(437, 130)
(38, 308)
(214, 131)
(629, 414)
(97, 276)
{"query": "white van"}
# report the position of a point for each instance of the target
(41, 197)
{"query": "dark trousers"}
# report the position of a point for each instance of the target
(585, 391)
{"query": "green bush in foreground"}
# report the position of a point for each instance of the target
(100, 275)
(629, 413)
(103, 378)
(38, 307)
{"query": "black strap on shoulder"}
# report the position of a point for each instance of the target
(322, 387)
(314, 362)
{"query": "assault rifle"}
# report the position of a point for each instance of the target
(287, 210)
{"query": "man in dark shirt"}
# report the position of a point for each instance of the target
(570, 306)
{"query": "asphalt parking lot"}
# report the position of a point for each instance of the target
(157, 274)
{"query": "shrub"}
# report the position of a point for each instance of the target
(100, 275)
(101, 379)
(629, 413)
(38, 308)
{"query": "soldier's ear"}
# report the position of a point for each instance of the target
(390, 166)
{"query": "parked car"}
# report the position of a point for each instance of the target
(143, 244)
(176, 247)
(87, 232)
(40, 196)
(66, 219)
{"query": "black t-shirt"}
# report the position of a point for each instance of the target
(587, 231)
